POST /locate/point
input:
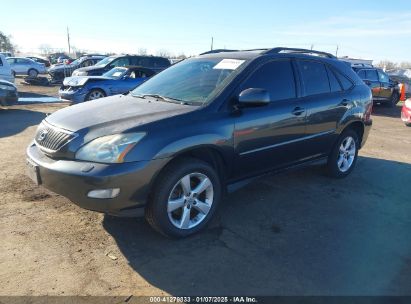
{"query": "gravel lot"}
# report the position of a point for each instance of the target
(298, 233)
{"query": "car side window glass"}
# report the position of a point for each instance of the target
(362, 74)
(121, 62)
(383, 77)
(315, 77)
(372, 75)
(1, 62)
(334, 83)
(277, 77)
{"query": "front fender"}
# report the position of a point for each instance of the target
(214, 141)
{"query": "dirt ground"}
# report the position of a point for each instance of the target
(298, 233)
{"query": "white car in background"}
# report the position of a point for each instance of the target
(5, 70)
(26, 66)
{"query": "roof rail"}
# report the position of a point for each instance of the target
(278, 50)
(218, 51)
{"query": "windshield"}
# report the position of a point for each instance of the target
(192, 81)
(116, 73)
(105, 61)
(77, 61)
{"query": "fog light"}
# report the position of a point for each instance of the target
(104, 193)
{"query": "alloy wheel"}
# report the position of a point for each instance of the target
(190, 200)
(95, 95)
(346, 155)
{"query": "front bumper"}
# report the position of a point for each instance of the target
(75, 179)
(76, 95)
(406, 115)
(8, 98)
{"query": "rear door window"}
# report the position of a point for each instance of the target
(1, 62)
(362, 74)
(277, 77)
(314, 76)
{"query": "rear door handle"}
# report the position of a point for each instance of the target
(298, 111)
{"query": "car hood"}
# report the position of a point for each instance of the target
(114, 115)
(5, 82)
(79, 78)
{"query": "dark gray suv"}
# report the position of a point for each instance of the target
(172, 147)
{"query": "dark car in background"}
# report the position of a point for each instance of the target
(8, 93)
(202, 127)
(116, 81)
(40, 60)
(154, 63)
(59, 71)
(384, 89)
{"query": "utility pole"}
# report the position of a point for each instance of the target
(312, 46)
(212, 43)
(336, 51)
(68, 40)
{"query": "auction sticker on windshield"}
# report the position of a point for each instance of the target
(228, 64)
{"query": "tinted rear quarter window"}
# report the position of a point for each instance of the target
(345, 82)
(277, 77)
(371, 75)
(334, 82)
(1, 62)
(314, 76)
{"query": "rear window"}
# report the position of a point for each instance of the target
(277, 77)
(315, 78)
(371, 75)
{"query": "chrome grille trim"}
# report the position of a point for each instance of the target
(55, 137)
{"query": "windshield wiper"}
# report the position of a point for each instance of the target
(164, 98)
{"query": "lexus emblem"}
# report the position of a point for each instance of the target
(42, 136)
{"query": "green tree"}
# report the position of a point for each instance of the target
(5, 43)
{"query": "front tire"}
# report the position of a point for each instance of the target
(344, 155)
(184, 198)
(95, 94)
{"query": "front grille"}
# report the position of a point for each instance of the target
(52, 139)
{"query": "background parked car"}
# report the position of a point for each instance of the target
(383, 88)
(59, 71)
(6, 54)
(5, 69)
(8, 93)
(156, 64)
(40, 60)
(25, 66)
(116, 81)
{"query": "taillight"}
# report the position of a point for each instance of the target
(407, 103)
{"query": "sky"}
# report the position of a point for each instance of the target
(377, 30)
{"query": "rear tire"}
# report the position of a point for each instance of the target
(395, 98)
(33, 73)
(344, 155)
(184, 198)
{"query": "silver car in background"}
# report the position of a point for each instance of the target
(25, 66)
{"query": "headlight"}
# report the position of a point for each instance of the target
(7, 87)
(80, 73)
(76, 82)
(109, 149)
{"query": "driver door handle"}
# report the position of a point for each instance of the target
(298, 111)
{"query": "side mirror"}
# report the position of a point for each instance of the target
(254, 97)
